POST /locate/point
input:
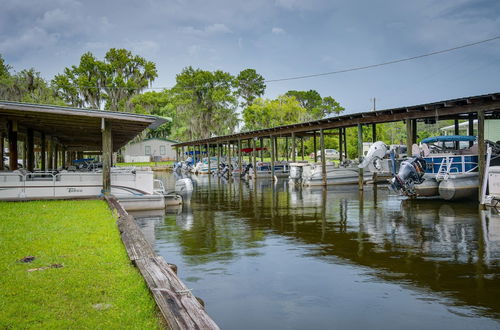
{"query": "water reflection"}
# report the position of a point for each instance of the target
(445, 253)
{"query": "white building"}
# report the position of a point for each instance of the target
(154, 149)
(491, 129)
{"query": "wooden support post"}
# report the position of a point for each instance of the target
(286, 148)
(261, 149)
(360, 155)
(230, 173)
(30, 141)
(408, 137)
(471, 128)
(272, 156)
(294, 151)
(302, 146)
(323, 158)
(12, 136)
(208, 160)
(413, 131)
(345, 144)
(107, 151)
(25, 152)
(254, 159)
(481, 150)
(240, 158)
(43, 152)
(56, 154)
(276, 149)
(2, 149)
(63, 156)
(50, 156)
(315, 147)
(457, 143)
(341, 145)
(374, 133)
(217, 147)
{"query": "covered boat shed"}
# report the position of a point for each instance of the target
(480, 108)
(61, 134)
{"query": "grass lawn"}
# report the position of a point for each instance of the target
(150, 164)
(96, 287)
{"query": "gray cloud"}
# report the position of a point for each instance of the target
(278, 38)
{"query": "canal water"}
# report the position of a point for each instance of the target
(270, 256)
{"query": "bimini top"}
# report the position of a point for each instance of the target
(449, 138)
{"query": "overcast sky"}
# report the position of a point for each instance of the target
(278, 38)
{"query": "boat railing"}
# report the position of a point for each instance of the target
(447, 167)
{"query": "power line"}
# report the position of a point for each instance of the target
(385, 63)
(359, 68)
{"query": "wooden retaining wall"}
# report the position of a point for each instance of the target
(179, 307)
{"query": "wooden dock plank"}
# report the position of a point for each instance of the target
(179, 307)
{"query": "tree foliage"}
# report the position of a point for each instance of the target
(25, 86)
(317, 107)
(249, 85)
(205, 103)
(109, 83)
(265, 113)
(158, 104)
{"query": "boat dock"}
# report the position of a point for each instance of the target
(479, 108)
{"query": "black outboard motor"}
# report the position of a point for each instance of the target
(246, 169)
(411, 172)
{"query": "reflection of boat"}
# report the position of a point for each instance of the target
(439, 168)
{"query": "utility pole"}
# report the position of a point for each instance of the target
(374, 107)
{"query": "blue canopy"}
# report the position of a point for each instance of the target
(449, 138)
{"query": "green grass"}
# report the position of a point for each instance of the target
(151, 164)
(83, 237)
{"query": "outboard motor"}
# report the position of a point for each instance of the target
(411, 172)
(246, 169)
(184, 187)
(377, 151)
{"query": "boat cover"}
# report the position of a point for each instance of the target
(449, 138)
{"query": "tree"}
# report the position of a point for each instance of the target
(249, 85)
(264, 113)
(316, 106)
(25, 86)
(205, 103)
(158, 104)
(110, 83)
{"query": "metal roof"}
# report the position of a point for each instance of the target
(448, 109)
(76, 128)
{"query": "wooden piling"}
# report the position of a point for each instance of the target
(471, 129)
(345, 143)
(481, 150)
(360, 156)
(12, 137)
(55, 145)
(254, 159)
(413, 131)
(240, 159)
(408, 137)
(315, 147)
(30, 141)
(374, 133)
(302, 146)
(261, 153)
(208, 160)
(229, 156)
(272, 156)
(43, 152)
(2, 148)
(293, 147)
(341, 145)
(286, 148)
(107, 151)
(323, 158)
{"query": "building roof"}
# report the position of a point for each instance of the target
(76, 128)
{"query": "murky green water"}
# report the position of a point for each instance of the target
(266, 256)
